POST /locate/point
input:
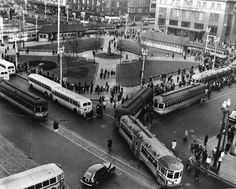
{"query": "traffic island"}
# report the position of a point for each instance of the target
(109, 55)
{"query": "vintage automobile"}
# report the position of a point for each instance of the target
(95, 174)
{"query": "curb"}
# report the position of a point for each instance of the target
(216, 175)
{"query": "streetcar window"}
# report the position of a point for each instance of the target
(176, 175)
(170, 174)
(161, 106)
(155, 103)
(37, 109)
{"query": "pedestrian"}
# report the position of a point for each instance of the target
(104, 105)
(208, 161)
(197, 173)
(227, 147)
(185, 138)
(109, 145)
(174, 144)
(205, 140)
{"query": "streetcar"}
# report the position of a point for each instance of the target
(179, 98)
(135, 103)
(9, 66)
(28, 102)
(209, 75)
(4, 74)
(48, 176)
(166, 168)
(76, 102)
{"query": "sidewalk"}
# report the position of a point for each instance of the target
(227, 172)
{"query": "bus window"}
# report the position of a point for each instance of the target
(176, 175)
(161, 106)
(170, 174)
(37, 109)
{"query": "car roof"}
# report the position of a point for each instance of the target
(95, 167)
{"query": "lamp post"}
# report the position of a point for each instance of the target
(225, 110)
(16, 47)
(67, 13)
(144, 55)
(45, 10)
(207, 33)
(36, 26)
(216, 41)
(61, 51)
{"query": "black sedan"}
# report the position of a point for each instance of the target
(97, 173)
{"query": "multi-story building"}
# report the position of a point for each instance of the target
(194, 18)
(152, 8)
(116, 7)
(138, 9)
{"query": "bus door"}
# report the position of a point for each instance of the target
(136, 146)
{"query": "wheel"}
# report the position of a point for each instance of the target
(75, 111)
(31, 86)
(56, 100)
(112, 171)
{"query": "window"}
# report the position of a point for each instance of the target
(161, 106)
(53, 180)
(218, 6)
(45, 183)
(170, 174)
(213, 5)
(174, 22)
(176, 175)
(31, 187)
(153, 5)
(38, 186)
(198, 26)
(204, 5)
(185, 24)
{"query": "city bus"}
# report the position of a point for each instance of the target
(9, 66)
(74, 101)
(4, 74)
(179, 98)
(78, 103)
(26, 101)
(166, 168)
(209, 75)
(135, 103)
(48, 176)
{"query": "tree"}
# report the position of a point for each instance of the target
(97, 43)
(74, 45)
(67, 60)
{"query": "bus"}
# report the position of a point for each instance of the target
(78, 103)
(4, 74)
(166, 168)
(9, 66)
(28, 102)
(22, 36)
(135, 104)
(179, 98)
(209, 75)
(48, 176)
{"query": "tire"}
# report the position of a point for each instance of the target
(75, 111)
(56, 101)
(31, 86)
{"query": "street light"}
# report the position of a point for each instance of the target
(36, 26)
(67, 13)
(45, 11)
(144, 55)
(225, 110)
(207, 33)
(216, 41)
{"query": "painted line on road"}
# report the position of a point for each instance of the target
(5, 169)
(100, 157)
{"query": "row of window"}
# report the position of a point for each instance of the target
(184, 98)
(149, 156)
(66, 98)
(126, 131)
(43, 184)
(40, 84)
(23, 102)
(162, 44)
(193, 3)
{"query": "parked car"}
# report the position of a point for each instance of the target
(95, 174)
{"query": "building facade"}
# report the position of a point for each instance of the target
(116, 7)
(197, 18)
(138, 9)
